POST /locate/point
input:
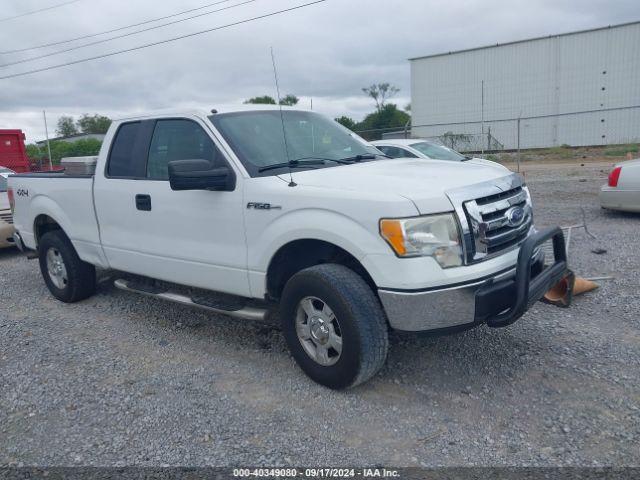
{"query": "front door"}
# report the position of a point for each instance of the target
(194, 238)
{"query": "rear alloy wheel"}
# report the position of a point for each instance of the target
(56, 269)
(68, 278)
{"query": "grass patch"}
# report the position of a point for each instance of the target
(563, 151)
(621, 150)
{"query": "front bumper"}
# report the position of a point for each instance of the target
(497, 301)
(624, 200)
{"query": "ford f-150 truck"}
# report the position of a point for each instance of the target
(254, 211)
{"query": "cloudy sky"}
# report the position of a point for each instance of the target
(327, 51)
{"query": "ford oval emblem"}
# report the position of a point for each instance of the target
(515, 216)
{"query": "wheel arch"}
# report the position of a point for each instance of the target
(296, 255)
(44, 223)
(48, 216)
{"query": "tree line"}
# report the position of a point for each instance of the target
(67, 126)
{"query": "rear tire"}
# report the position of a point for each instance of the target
(334, 326)
(68, 278)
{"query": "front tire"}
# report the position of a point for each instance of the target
(68, 278)
(334, 326)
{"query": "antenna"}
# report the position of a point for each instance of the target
(284, 131)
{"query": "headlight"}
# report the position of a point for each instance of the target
(431, 236)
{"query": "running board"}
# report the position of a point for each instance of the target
(243, 312)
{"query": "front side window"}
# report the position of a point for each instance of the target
(438, 152)
(258, 139)
(3, 184)
(179, 139)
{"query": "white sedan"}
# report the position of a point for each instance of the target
(622, 191)
(418, 148)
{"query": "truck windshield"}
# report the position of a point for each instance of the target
(438, 152)
(257, 139)
(3, 184)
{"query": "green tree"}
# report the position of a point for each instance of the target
(289, 100)
(66, 126)
(93, 123)
(347, 122)
(34, 152)
(387, 118)
(264, 100)
(381, 92)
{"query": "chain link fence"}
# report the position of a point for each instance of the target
(512, 134)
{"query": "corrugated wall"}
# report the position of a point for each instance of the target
(540, 81)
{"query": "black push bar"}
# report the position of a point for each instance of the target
(529, 290)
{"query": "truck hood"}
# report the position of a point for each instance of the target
(424, 182)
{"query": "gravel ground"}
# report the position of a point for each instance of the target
(121, 379)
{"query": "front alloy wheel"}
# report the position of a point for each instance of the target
(334, 325)
(319, 331)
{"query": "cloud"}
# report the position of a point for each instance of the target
(327, 52)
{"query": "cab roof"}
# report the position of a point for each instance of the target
(199, 112)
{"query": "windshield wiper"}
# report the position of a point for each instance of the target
(301, 162)
(359, 158)
(305, 161)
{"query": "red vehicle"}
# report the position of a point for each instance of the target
(13, 154)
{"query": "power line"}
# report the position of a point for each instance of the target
(37, 11)
(60, 42)
(104, 40)
(173, 39)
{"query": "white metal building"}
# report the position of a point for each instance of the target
(580, 88)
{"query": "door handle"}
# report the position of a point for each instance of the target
(143, 202)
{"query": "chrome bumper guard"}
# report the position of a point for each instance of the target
(497, 301)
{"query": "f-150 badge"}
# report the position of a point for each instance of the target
(262, 206)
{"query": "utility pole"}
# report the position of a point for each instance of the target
(46, 131)
(482, 118)
(406, 128)
(518, 156)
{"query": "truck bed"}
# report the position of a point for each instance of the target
(66, 198)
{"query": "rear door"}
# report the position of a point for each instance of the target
(193, 238)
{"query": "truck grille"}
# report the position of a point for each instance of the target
(5, 215)
(497, 222)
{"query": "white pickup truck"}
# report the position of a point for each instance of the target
(249, 212)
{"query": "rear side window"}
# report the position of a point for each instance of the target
(128, 151)
(179, 139)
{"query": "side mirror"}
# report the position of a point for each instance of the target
(198, 175)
